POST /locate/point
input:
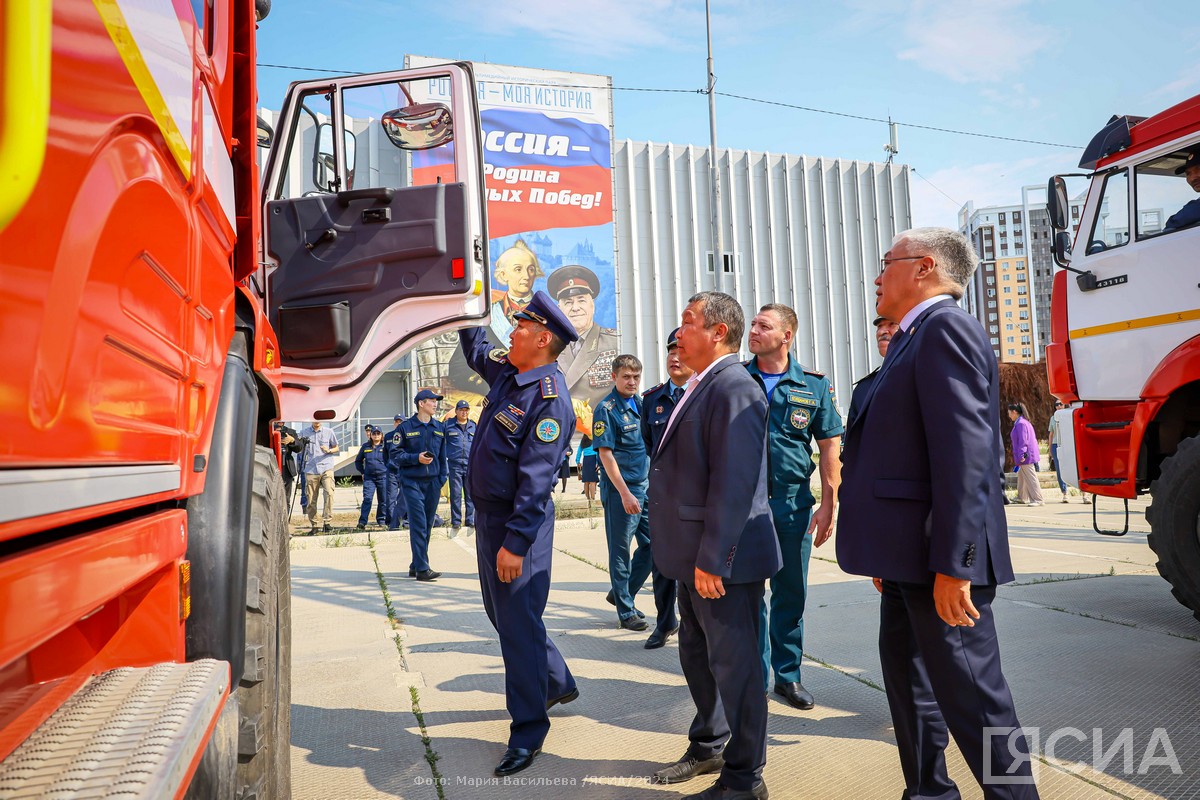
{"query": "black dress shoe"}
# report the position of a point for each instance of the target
(428, 575)
(328, 528)
(634, 623)
(515, 759)
(659, 638)
(412, 573)
(719, 791)
(795, 694)
(612, 601)
(687, 768)
(566, 698)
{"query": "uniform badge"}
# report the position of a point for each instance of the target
(549, 429)
(598, 429)
(658, 409)
(799, 419)
(549, 387)
(498, 355)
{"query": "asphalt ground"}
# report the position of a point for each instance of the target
(398, 685)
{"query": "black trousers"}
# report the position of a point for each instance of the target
(945, 681)
(718, 650)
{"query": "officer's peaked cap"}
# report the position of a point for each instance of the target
(544, 311)
(571, 280)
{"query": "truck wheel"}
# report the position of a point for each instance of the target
(265, 691)
(1174, 517)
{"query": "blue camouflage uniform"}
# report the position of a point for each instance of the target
(658, 404)
(397, 505)
(421, 483)
(616, 424)
(522, 434)
(371, 462)
(458, 451)
(802, 408)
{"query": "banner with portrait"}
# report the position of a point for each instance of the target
(548, 164)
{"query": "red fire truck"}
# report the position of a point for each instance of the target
(161, 309)
(1125, 330)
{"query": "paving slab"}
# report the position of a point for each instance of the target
(1107, 656)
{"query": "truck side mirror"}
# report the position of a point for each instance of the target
(420, 126)
(1056, 203)
(325, 171)
(1062, 248)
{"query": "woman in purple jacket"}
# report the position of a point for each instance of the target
(1026, 455)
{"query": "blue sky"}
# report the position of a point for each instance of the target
(1045, 71)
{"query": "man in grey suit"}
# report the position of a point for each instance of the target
(922, 510)
(713, 528)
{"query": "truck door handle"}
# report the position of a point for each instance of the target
(317, 237)
(383, 193)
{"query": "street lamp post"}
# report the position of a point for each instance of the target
(718, 239)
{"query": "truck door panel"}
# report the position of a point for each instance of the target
(374, 228)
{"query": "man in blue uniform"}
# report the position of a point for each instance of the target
(1189, 215)
(617, 437)
(657, 406)
(523, 432)
(802, 408)
(421, 456)
(371, 463)
(397, 506)
(460, 432)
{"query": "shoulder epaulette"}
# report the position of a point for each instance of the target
(653, 389)
(864, 377)
(748, 361)
(814, 373)
(549, 387)
(609, 331)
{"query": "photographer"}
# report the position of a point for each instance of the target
(290, 443)
(318, 459)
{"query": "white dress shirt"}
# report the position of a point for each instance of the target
(690, 388)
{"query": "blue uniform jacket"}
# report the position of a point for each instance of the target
(657, 407)
(1185, 217)
(919, 493)
(372, 460)
(802, 408)
(414, 437)
(523, 432)
(458, 440)
(618, 427)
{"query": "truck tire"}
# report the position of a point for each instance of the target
(1174, 517)
(265, 691)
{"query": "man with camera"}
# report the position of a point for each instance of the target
(290, 443)
(318, 458)
(421, 459)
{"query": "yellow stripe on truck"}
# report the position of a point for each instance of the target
(25, 113)
(131, 54)
(1142, 322)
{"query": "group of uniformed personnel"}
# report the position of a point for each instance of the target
(404, 474)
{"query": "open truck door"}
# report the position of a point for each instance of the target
(374, 228)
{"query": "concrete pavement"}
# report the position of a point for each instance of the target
(1095, 649)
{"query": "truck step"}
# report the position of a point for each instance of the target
(129, 733)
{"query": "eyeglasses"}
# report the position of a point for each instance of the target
(883, 262)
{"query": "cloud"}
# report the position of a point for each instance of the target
(1182, 87)
(985, 41)
(987, 184)
(598, 27)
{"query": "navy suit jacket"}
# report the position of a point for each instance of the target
(708, 484)
(919, 493)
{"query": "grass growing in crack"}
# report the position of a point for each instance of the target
(431, 756)
(581, 558)
(340, 540)
(1078, 576)
(393, 619)
(852, 676)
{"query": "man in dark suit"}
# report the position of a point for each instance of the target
(713, 533)
(921, 509)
